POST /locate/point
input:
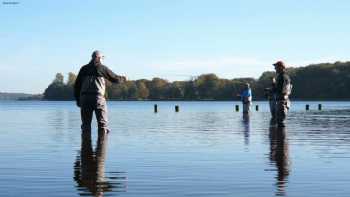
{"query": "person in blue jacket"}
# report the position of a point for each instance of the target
(246, 98)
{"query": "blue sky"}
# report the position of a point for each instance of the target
(172, 39)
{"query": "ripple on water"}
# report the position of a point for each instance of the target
(206, 149)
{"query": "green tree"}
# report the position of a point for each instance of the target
(176, 90)
(142, 90)
(59, 79)
(57, 90)
(158, 88)
(71, 79)
(131, 90)
(207, 85)
(190, 90)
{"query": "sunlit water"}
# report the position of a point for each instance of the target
(206, 149)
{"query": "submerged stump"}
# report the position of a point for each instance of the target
(155, 108)
(307, 107)
(237, 107)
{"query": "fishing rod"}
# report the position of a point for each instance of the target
(164, 76)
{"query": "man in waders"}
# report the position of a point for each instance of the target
(282, 91)
(89, 92)
(246, 98)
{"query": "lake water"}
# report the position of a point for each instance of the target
(206, 149)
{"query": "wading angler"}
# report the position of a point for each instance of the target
(89, 92)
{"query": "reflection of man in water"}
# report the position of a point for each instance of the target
(246, 124)
(280, 157)
(89, 168)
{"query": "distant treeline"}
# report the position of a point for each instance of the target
(19, 96)
(324, 81)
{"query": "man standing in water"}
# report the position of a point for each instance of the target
(89, 92)
(246, 98)
(282, 91)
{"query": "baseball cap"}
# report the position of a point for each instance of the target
(279, 63)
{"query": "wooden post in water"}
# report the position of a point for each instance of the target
(237, 107)
(307, 107)
(257, 107)
(176, 108)
(319, 106)
(155, 108)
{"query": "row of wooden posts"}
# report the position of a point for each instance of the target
(177, 108)
(307, 107)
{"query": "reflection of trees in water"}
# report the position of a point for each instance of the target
(280, 157)
(89, 169)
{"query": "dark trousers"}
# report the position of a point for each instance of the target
(282, 108)
(246, 107)
(90, 104)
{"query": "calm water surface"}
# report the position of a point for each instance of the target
(206, 149)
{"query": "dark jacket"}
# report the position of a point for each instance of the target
(91, 80)
(283, 86)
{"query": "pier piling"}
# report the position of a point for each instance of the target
(177, 108)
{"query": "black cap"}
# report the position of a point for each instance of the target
(279, 63)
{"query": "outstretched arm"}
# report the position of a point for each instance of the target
(111, 76)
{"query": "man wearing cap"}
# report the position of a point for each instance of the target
(283, 89)
(89, 92)
(246, 98)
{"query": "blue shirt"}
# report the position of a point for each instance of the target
(246, 95)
